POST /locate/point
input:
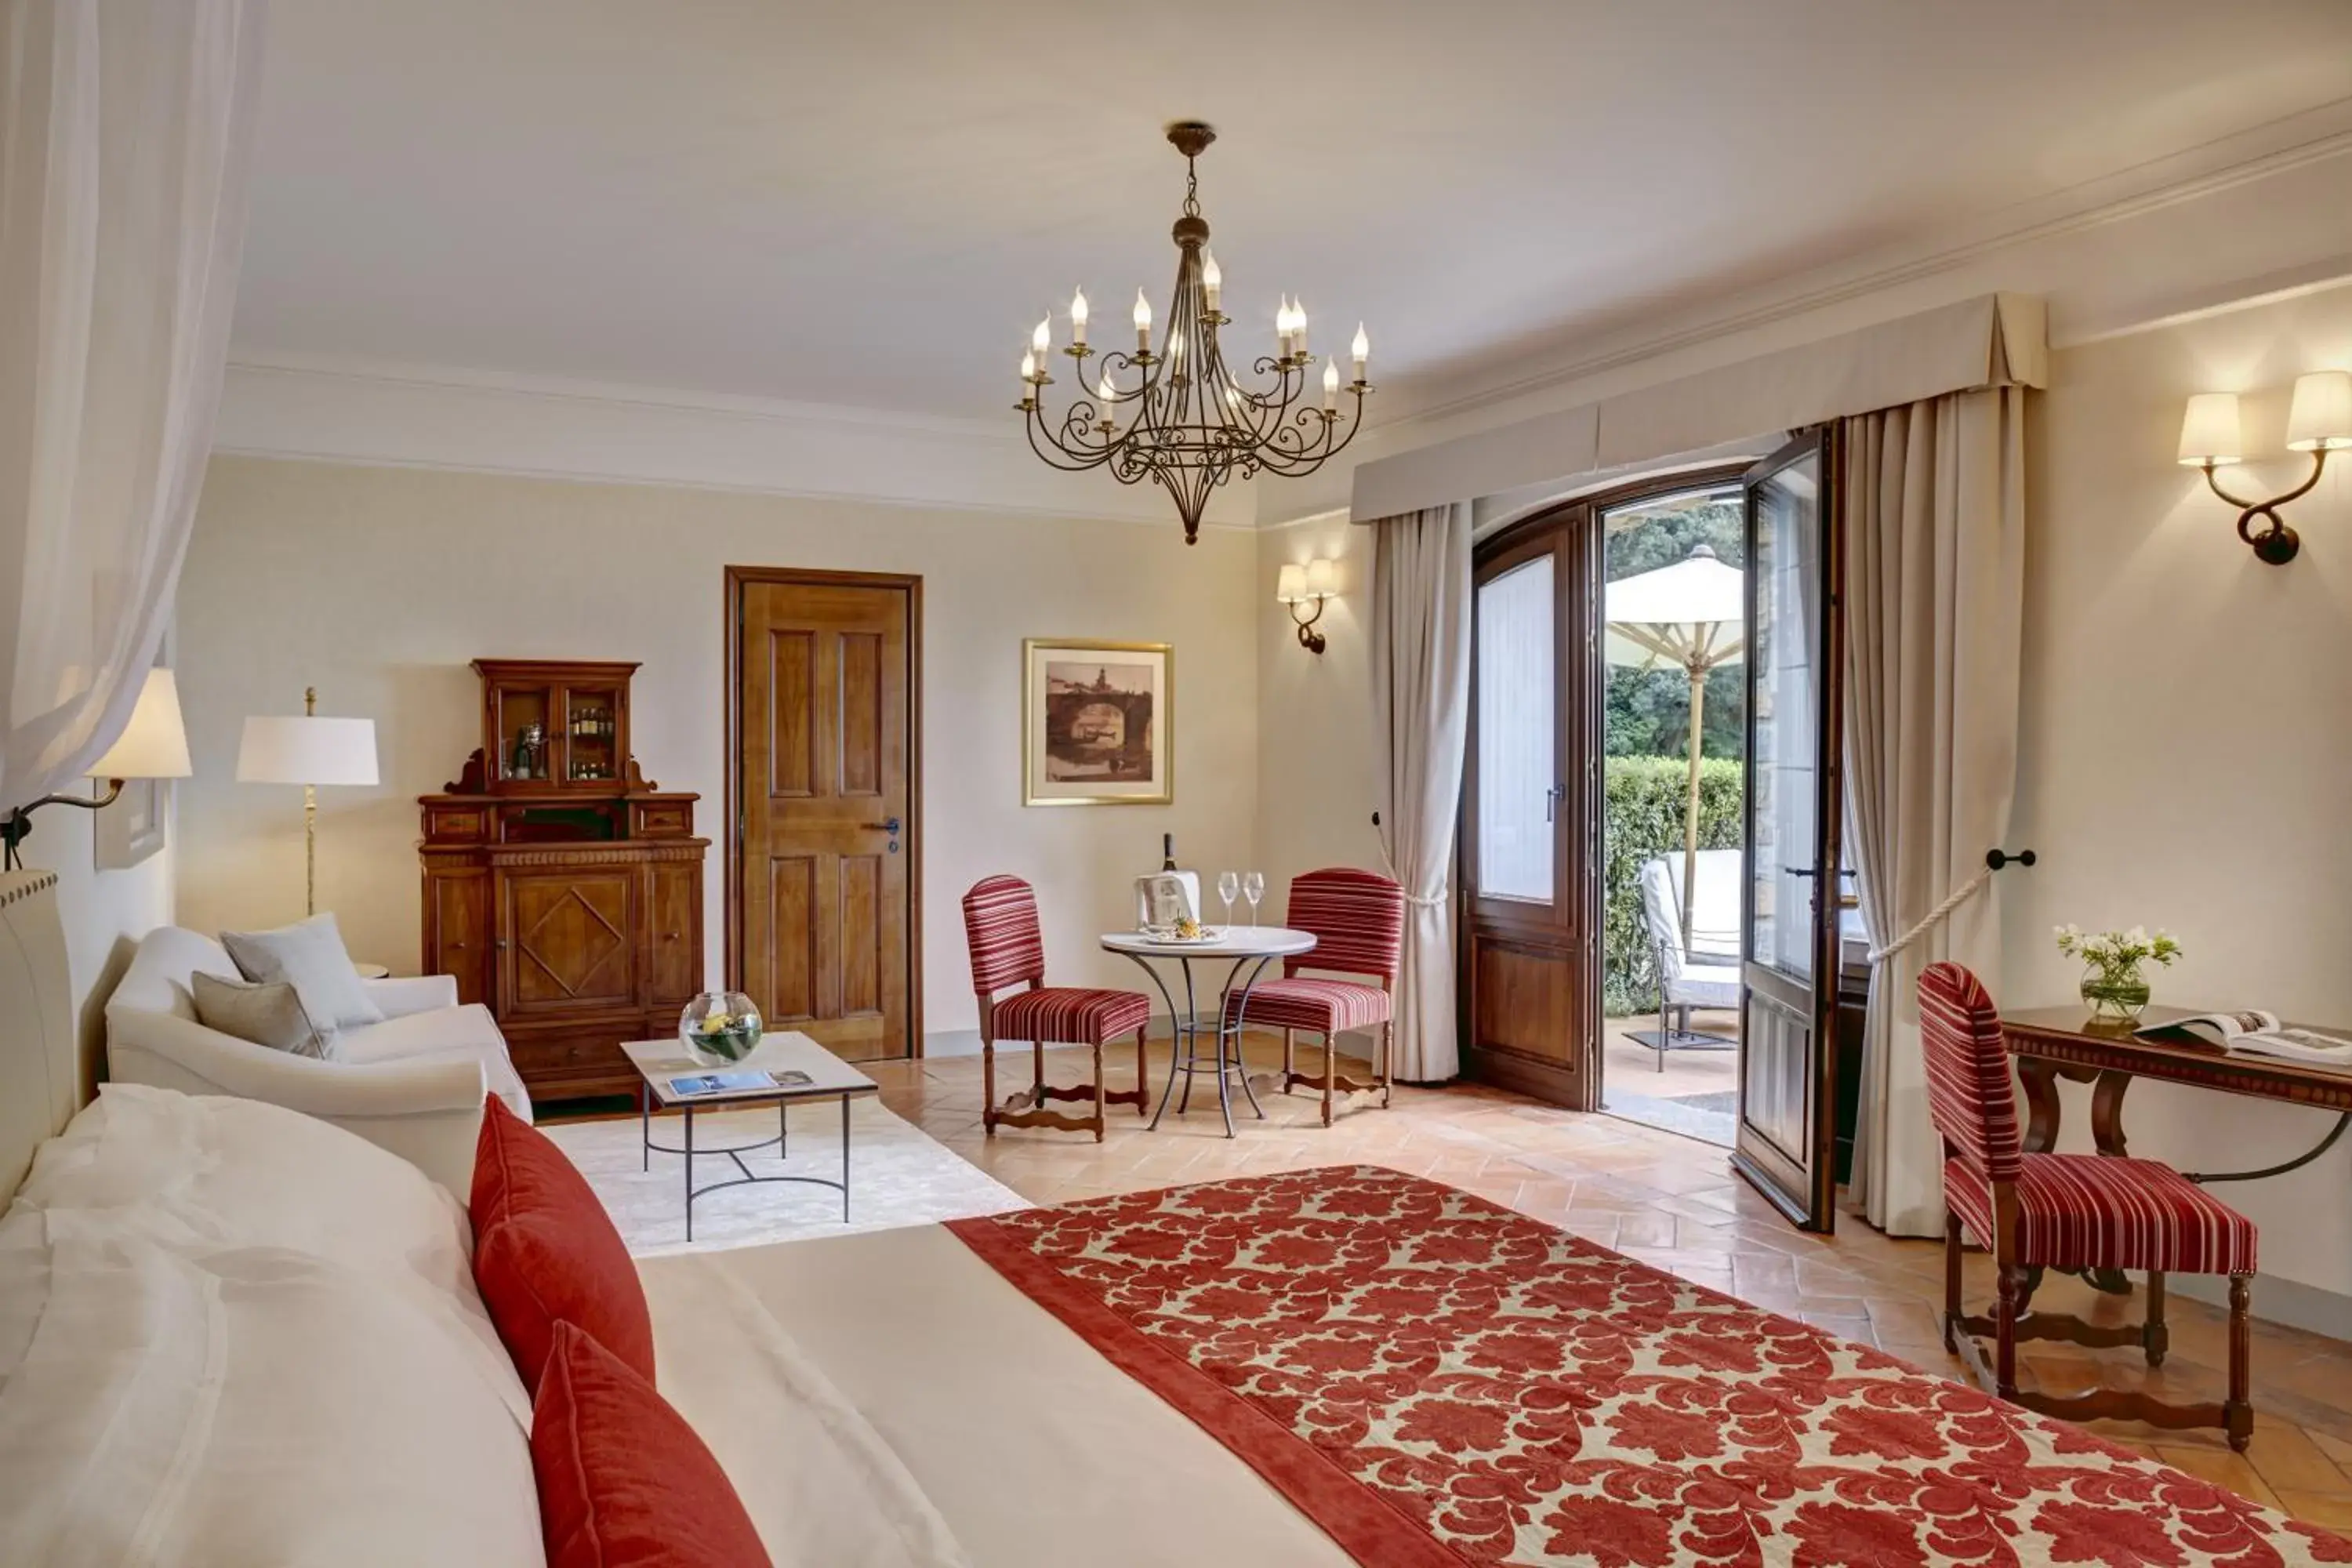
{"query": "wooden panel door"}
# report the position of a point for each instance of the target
(822, 862)
(1527, 840)
(566, 939)
(1789, 948)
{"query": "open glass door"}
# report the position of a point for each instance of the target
(1788, 968)
(1526, 838)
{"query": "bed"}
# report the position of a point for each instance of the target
(1341, 1365)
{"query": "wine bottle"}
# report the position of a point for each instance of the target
(1167, 852)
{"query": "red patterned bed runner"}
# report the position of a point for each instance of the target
(1434, 1379)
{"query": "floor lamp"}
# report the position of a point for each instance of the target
(308, 750)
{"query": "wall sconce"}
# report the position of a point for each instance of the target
(1308, 584)
(153, 745)
(2318, 422)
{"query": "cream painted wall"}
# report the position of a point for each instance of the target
(2186, 747)
(378, 585)
(104, 913)
(1316, 790)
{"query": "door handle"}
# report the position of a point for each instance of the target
(1805, 872)
(1552, 797)
(888, 825)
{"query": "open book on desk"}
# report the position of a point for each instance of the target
(2254, 1032)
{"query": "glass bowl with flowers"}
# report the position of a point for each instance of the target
(2115, 987)
(720, 1028)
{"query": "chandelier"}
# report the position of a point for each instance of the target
(1180, 417)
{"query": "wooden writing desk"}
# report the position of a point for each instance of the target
(2052, 1043)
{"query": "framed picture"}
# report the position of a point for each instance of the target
(133, 827)
(1097, 722)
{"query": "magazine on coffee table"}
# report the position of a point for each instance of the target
(702, 1085)
(2255, 1033)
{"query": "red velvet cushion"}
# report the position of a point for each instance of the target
(622, 1479)
(545, 1249)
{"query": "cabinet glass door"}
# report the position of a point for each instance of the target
(1789, 968)
(592, 734)
(524, 720)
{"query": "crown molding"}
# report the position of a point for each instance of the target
(371, 413)
(2262, 153)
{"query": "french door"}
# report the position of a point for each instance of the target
(1528, 1000)
(1790, 953)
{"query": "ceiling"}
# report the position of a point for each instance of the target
(869, 204)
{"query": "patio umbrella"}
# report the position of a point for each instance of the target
(1692, 615)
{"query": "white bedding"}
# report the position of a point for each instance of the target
(932, 1415)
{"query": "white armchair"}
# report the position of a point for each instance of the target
(411, 1084)
(1705, 974)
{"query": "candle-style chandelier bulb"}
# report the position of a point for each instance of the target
(1078, 317)
(1213, 282)
(1041, 341)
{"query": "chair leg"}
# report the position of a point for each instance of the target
(1330, 1070)
(1097, 1117)
(1038, 1056)
(988, 1085)
(1143, 1072)
(1952, 1255)
(1665, 1027)
(1388, 1059)
(2238, 1414)
(2154, 1340)
(2004, 1329)
(1289, 1039)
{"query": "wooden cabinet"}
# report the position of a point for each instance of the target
(563, 890)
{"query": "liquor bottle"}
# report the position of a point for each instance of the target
(1167, 852)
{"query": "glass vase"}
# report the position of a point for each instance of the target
(2114, 995)
(720, 1028)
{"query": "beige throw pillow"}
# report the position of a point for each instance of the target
(268, 1015)
(309, 955)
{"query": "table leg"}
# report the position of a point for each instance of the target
(844, 1159)
(1225, 1088)
(784, 1130)
(1241, 1018)
(1175, 1039)
(645, 1127)
(2041, 1079)
(688, 1163)
(2108, 1113)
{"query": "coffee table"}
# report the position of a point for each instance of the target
(829, 1078)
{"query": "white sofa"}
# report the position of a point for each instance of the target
(413, 1084)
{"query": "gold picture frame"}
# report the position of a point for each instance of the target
(1100, 735)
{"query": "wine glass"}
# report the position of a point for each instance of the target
(1229, 887)
(1253, 889)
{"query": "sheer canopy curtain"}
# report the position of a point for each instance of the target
(1421, 703)
(1935, 494)
(126, 139)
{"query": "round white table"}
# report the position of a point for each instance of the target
(1250, 948)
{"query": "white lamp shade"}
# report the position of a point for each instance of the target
(154, 745)
(2209, 430)
(1322, 579)
(1290, 584)
(2320, 419)
(304, 750)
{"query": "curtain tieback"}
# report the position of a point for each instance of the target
(1960, 895)
(1437, 901)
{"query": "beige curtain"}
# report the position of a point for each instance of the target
(1421, 701)
(1934, 493)
(126, 143)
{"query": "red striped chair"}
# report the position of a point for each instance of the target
(2037, 1211)
(1358, 921)
(1000, 923)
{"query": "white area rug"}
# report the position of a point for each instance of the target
(898, 1175)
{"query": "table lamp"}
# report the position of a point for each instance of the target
(308, 750)
(153, 745)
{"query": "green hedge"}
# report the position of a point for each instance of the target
(1645, 799)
